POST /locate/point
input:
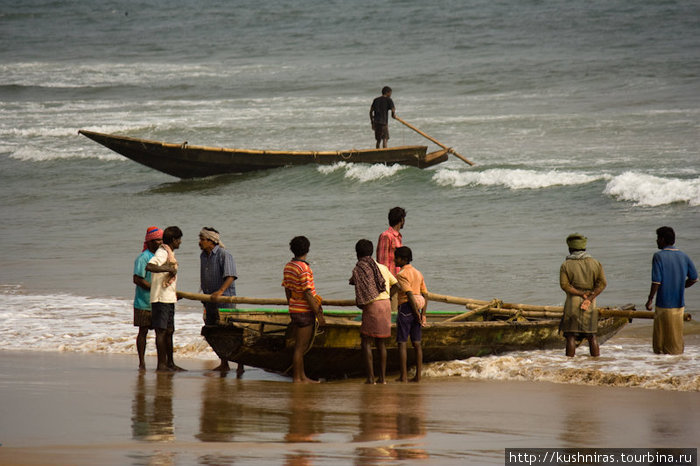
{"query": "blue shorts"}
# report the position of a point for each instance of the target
(163, 316)
(407, 324)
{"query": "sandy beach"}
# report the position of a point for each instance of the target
(68, 408)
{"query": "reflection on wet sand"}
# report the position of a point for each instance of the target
(152, 417)
(582, 425)
(220, 413)
(391, 412)
(152, 409)
(305, 422)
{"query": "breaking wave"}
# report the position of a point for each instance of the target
(642, 189)
(514, 178)
(68, 323)
(632, 364)
(649, 190)
(362, 172)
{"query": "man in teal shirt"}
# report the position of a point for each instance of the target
(142, 295)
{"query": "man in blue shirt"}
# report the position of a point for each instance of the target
(672, 272)
(142, 296)
(217, 278)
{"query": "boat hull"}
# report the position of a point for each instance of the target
(265, 341)
(185, 161)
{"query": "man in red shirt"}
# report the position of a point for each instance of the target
(391, 239)
(388, 242)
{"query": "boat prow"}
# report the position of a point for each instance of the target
(185, 161)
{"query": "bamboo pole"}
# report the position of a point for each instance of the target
(449, 149)
(478, 302)
(265, 301)
(474, 305)
(469, 314)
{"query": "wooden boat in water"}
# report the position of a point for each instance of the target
(186, 161)
(262, 337)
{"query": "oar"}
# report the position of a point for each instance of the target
(449, 149)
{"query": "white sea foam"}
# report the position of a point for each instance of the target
(632, 364)
(649, 190)
(69, 323)
(513, 178)
(37, 154)
(362, 172)
(91, 325)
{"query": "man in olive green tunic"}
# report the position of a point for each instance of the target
(582, 279)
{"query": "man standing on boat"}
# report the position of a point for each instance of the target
(217, 278)
(379, 116)
(672, 272)
(389, 240)
(142, 296)
(582, 278)
(163, 267)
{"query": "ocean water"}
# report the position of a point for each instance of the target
(579, 117)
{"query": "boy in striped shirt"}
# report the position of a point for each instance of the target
(304, 304)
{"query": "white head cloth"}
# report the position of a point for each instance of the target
(212, 236)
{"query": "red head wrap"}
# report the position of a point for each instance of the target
(151, 234)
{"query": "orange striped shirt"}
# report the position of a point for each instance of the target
(298, 277)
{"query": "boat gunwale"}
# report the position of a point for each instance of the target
(186, 146)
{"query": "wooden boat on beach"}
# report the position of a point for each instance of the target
(262, 337)
(186, 161)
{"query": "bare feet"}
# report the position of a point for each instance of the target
(307, 380)
(369, 382)
(223, 367)
(176, 368)
(415, 379)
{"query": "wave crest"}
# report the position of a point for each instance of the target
(362, 172)
(513, 178)
(649, 190)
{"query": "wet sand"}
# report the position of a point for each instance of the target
(68, 408)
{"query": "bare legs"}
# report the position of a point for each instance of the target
(141, 346)
(302, 339)
(571, 345)
(369, 362)
(403, 361)
(164, 348)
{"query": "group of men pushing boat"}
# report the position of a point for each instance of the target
(390, 283)
(382, 286)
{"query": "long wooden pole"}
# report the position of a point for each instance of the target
(264, 301)
(476, 304)
(449, 149)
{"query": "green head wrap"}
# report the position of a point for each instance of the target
(576, 241)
